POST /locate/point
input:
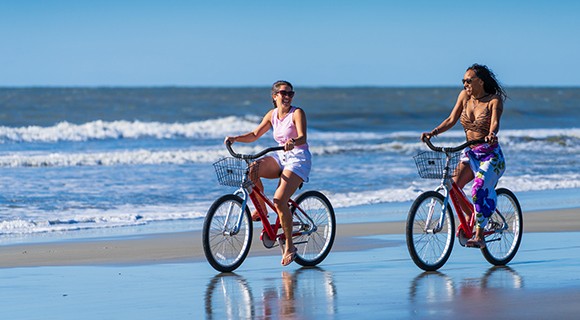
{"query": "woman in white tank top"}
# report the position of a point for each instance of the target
(291, 166)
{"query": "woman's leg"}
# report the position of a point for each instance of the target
(483, 191)
(289, 183)
(268, 168)
(464, 176)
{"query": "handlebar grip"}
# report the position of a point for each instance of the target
(230, 150)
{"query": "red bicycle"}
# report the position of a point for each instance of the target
(227, 229)
(430, 224)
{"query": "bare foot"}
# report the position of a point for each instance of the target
(475, 243)
(289, 257)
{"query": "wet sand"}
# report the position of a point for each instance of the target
(367, 275)
(187, 246)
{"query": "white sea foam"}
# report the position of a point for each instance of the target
(550, 166)
(95, 130)
(206, 155)
(218, 128)
(350, 199)
(109, 158)
(516, 184)
(29, 222)
(19, 221)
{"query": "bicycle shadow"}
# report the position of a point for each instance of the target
(305, 292)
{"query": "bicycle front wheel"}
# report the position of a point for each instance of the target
(225, 247)
(506, 223)
(429, 242)
(317, 214)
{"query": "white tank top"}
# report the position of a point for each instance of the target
(285, 129)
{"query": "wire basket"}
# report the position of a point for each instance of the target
(231, 171)
(430, 164)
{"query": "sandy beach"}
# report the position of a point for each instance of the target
(368, 274)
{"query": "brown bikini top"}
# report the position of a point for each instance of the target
(480, 124)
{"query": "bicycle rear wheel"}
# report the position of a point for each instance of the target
(507, 224)
(314, 247)
(430, 248)
(224, 248)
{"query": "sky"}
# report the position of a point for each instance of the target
(310, 43)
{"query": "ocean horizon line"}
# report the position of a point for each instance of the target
(23, 87)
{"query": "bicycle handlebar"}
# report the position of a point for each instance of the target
(251, 156)
(452, 149)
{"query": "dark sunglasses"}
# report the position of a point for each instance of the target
(468, 80)
(286, 93)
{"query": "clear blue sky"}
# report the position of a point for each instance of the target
(310, 43)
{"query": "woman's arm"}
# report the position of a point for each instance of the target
(252, 136)
(496, 106)
(450, 121)
(300, 122)
(299, 119)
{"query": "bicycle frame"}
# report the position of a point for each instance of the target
(253, 193)
(272, 229)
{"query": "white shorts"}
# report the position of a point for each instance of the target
(296, 160)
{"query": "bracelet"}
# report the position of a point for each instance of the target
(293, 141)
(435, 132)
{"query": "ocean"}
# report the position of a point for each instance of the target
(129, 160)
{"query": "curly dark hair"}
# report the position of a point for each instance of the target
(490, 83)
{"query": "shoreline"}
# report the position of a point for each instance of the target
(180, 247)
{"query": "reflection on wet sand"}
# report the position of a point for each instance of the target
(430, 291)
(384, 284)
(304, 293)
(228, 296)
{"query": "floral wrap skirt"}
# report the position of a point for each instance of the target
(488, 165)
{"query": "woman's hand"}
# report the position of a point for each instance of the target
(231, 140)
(289, 145)
(429, 135)
(491, 138)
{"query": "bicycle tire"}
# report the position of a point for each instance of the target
(226, 252)
(502, 247)
(313, 248)
(429, 251)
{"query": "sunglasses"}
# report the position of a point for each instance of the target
(468, 80)
(286, 93)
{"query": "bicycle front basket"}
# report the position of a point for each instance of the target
(231, 171)
(430, 164)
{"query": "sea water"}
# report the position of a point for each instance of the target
(106, 159)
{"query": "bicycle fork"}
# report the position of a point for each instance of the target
(242, 193)
(444, 186)
(433, 207)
